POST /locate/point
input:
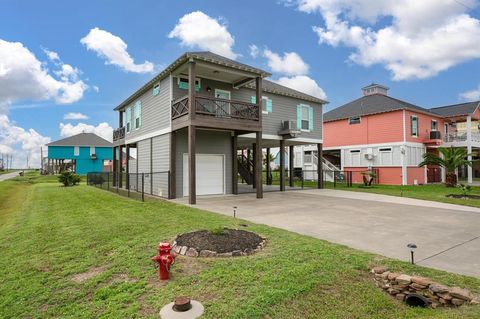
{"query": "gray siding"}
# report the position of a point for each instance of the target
(156, 183)
(284, 108)
(155, 111)
(161, 164)
(207, 142)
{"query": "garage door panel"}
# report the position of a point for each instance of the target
(210, 171)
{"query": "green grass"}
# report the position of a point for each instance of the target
(51, 233)
(434, 192)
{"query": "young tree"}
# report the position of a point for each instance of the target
(453, 158)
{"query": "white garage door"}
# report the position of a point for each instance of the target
(210, 170)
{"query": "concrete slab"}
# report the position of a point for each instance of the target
(4, 177)
(374, 223)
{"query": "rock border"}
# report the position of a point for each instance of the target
(192, 252)
(400, 286)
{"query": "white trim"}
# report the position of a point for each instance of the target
(404, 127)
(278, 138)
(149, 135)
(170, 99)
(413, 144)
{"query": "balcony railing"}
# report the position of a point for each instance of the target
(461, 137)
(216, 107)
(119, 133)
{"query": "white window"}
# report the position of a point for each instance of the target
(92, 150)
(354, 151)
(385, 149)
(434, 125)
(128, 120)
(138, 114)
(183, 83)
(156, 89)
(414, 125)
(308, 157)
(305, 117)
(76, 150)
(354, 120)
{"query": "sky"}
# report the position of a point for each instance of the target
(65, 65)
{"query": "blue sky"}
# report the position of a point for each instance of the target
(275, 27)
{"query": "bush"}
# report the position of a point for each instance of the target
(69, 179)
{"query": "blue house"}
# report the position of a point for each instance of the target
(81, 153)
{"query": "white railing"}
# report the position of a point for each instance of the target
(461, 137)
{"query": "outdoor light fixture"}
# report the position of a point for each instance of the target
(209, 89)
(234, 211)
(412, 251)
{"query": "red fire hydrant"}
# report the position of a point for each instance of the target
(164, 260)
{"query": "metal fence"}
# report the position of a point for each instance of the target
(135, 185)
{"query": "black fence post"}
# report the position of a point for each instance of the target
(116, 180)
(108, 180)
(88, 176)
(143, 186)
(168, 181)
(128, 184)
(334, 179)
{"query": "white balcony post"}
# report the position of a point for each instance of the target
(442, 169)
(469, 149)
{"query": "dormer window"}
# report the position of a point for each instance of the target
(354, 120)
(375, 89)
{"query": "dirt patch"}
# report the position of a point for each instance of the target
(92, 272)
(463, 196)
(227, 241)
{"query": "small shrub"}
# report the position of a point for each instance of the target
(465, 189)
(217, 231)
(69, 179)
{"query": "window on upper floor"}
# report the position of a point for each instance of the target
(183, 83)
(128, 119)
(76, 150)
(156, 89)
(92, 150)
(414, 125)
(354, 120)
(267, 105)
(305, 117)
(137, 110)
(433, 125)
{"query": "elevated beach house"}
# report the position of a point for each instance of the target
(82, 153)
(202, 125)
(380, 132)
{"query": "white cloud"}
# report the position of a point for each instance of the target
(75, 116)
(52, 55)
(24, 77)
(303, 83)
(198, 30)
(103, 130)
(21, 143)
(290, 64)
(423, 38)
(254, 50)
(114, 50)
(470, 96)
(96, 88)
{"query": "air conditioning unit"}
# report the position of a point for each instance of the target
(289, 129)
(369, 156)
(93, 156)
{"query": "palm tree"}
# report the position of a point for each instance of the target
(452, 159)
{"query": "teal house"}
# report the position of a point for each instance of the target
(81, 153)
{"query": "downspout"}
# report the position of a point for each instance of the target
(404, 151)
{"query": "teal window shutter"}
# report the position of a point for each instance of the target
(269, 105)
(139, 114)
(253, 99)
(310, 118)
(128, 120)
(156, 89)
(299, 116)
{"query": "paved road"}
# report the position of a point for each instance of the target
(448, 236)
(8, 175)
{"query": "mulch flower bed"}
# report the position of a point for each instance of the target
(463, 196)
(224, 243)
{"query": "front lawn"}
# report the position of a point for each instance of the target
(51, 236)
(434, 192)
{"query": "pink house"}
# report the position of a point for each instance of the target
(389, 135)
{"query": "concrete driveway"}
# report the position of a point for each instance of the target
(6, 176)
(448, 236)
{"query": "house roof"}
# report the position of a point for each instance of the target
(211, 57)
(375, 85)
(275, 88)
(82, 139)
(456, 109)
(371, 104)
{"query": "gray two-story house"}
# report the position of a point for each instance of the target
(196, 119)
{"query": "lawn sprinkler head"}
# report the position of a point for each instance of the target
(234, 211)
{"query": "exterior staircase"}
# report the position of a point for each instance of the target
(245, 168)
(327, 166)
